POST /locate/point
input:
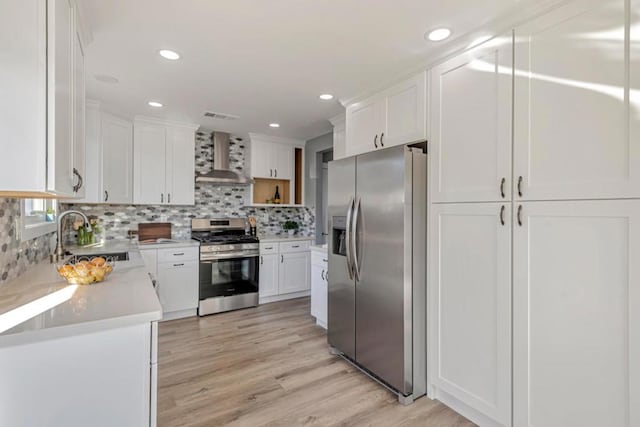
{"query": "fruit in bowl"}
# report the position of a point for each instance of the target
(86, 271)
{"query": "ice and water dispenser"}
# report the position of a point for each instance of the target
(339, 235)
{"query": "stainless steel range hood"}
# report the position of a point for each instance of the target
(221, 174)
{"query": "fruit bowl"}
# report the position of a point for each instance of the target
(86, 270)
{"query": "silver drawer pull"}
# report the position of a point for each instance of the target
(295, 246)
(269, 248)
(180, 254)
(325, 260)
(178, 265)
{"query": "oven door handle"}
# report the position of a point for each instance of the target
(214, 257)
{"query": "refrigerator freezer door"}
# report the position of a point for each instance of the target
(341, 302)
(384, 256)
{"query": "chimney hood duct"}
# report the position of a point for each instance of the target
(221, 174)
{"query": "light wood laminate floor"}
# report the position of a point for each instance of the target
(270, 366)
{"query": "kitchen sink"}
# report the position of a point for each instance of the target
(116, 256)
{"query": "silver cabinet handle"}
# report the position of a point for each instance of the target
(375, 141)
(325, 260)
(261, 260)
(295, 246)
(326, 275)
(162, 198)
(78, 186)
(169, 198)
(354, 243)
(520, 186)
(179, 254)
(281, 259)
(322, 274)
(275, 173)
(502, 183)
(178, 265)
(106, 196)
(520, 215)
(382, 139)
(348, 238)
(502, 214)
(269, 248)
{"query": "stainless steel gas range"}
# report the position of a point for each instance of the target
(229, 267)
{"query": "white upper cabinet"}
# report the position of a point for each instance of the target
(164, 163)
(471, 321)
(117, 160)
(339, 136)
(471, 110)
(364, 126)
(79, 108)
(577, 314)
(109, 158)
(405, 112)
(42, 86)
(577, 110)
(393, 117)
(271, 159)
(180, 166)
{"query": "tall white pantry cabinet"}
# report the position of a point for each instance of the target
(535, 222)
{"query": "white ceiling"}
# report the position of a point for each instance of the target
(265, 61)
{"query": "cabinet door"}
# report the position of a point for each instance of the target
(93, 155)
(317, 278)
(471, 125)
(180, 167)
(268, 281)
(405, 119)
(150, 258)
(60, 98)
(471, 305)
(577, 128)
(294, 272)
(262, 159)
(117, 160)
(178, 285)
(283, 161)
(149, 165)
(577, 314)
(79, 144)
(364, 126)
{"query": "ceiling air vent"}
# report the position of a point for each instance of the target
(220, 116)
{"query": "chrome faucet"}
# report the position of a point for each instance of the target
(59, 249)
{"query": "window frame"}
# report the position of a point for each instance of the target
(30, 231)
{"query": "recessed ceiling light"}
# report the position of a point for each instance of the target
(326, 96)
(274, 125)
(169, 54)
(438, 34)
(155, 104)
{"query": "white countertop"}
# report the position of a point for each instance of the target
(319, 248)
(125, 246)
(44, 306)
(283, 238)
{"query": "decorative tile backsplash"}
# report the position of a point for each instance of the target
(211, 200)
(17, 256)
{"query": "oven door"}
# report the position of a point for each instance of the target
(228, 274)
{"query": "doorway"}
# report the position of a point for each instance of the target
(322, 191)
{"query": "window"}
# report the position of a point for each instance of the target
(38, 218)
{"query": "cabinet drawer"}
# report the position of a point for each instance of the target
(177, 254)
(268, 248)
(318, 258)
(299, 246)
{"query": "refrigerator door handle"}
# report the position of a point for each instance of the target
(353, 240)
(348, 238)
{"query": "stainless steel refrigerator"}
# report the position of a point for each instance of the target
(377, 255)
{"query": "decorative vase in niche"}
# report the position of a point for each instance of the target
(291, 232)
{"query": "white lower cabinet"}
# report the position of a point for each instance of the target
(176, 274)
(319, 287)
(285, 270)
(471, 310)
(268, 280)
(103, 378)
(577, 314)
